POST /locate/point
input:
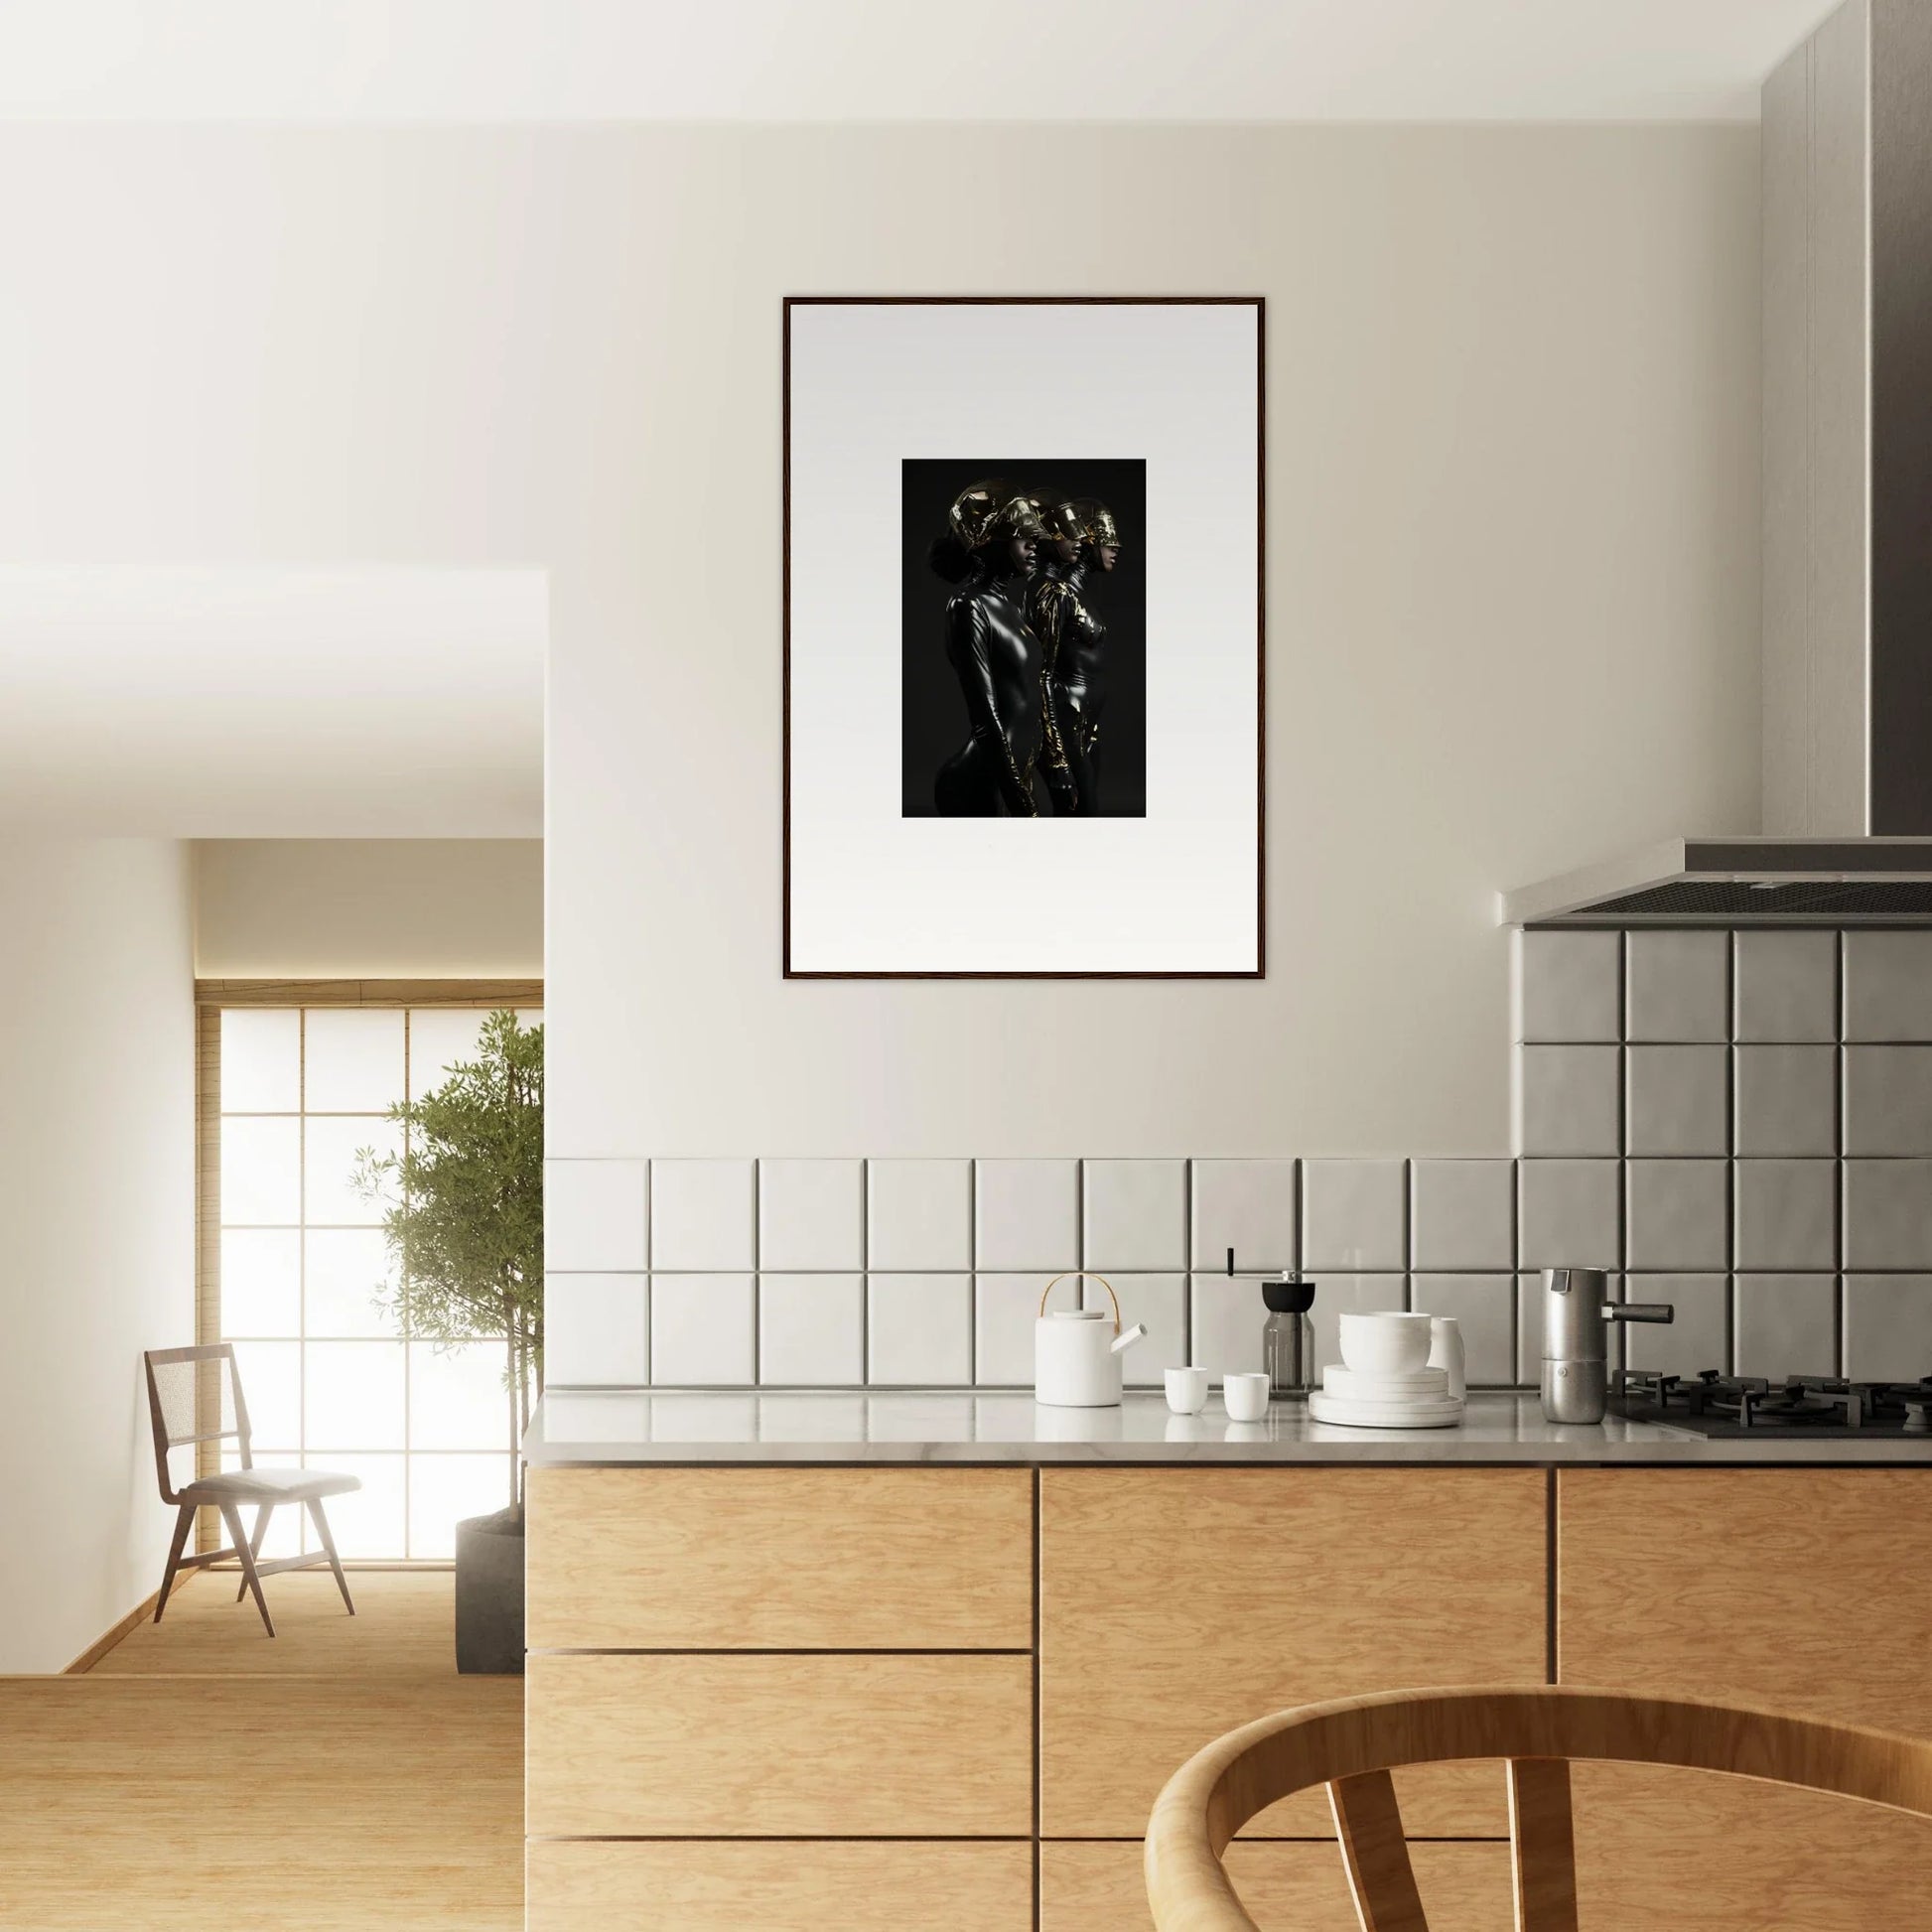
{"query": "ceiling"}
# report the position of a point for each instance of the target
(894, 59)
(191, 703)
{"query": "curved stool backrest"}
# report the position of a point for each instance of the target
(1351, 1746)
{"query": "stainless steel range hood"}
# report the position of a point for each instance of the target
(1846, 543)
(1738, 881)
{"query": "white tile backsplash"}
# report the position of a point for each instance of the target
(1225, 1324)
(1134, 1214)
(1707, 1071)
(1246, 1205)
(919, 1215)
(920, 1329)
(596, 1330)
(1355, 1215)
(811, 1214)
(703, 1330)
(595, 1216)
(1005, 1308)
(1027, 1214)
(702, 1215)
(1463, 1215)
(811, 1330)
(1158, 1300)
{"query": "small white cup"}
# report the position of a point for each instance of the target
(1246, 1396)
(1187, 1390)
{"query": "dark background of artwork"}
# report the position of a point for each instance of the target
(932, 713)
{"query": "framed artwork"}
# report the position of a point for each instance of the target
(1024, 637)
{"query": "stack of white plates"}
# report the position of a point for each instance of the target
(1412, 1399)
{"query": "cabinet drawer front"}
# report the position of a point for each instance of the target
(1806, 1590)
(1177, 1605)
(1699, 1852)
(780, 1558)
(1099, 1887)
(762, 1746)
(813, 1887)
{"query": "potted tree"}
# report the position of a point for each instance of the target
(463, 1215)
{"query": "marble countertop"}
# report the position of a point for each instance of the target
(619, 1426)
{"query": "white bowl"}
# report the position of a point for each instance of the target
(1385, 1344)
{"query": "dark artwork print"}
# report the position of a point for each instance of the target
(1024, 639)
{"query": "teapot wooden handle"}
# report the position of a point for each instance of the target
(1083, 1275)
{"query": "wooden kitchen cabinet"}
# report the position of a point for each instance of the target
(1806, 1590)
(789, 1886)
(1290, 1884)
(728, 1559)
(778, 1746)
(1176, 1604)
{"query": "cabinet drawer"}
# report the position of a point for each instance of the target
(779, 1558)
(1098, 1887)
(725, 1747)
(808, 1887)
(1177, 1605)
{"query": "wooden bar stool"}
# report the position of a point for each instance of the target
(1351, 1746)
(195, 1396)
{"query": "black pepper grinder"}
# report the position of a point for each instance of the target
(1288, 1336)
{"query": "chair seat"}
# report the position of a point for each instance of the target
(268, 1487)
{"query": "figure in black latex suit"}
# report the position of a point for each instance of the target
(1083, 543)
(988, 549)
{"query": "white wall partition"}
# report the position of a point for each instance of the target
(97, 1200)
(1512, 518)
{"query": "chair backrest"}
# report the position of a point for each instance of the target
(193, 1396)
(1352, 1745)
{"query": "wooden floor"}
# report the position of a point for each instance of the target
(338, 1778)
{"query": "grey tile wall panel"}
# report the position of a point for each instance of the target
(1677, 1100)
(1699, 1334)
(1677, 1216)
(1887, 1328)
(1887, 985)
(1887, 1100)
(1568, 1104)
(1787, 1215)
(1463, 1215)
(1787, 1324)
(1569, 1215)
(1569, 986)
(1786, 1101)
(1677, 987)
(1785, 987)
(1888, 1214)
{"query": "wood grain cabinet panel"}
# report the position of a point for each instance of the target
(1098, 1886)
(778, 1746)
(795, 1886)
(1176, 1604)
(725, 1559)
(1808, 1591)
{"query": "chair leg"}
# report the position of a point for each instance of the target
(183, 1522)
(255, 1545)
(232, 1517)
(328, 1544)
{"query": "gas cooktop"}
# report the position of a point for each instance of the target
(1717, 1405)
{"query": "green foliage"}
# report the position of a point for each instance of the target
(463, 1204)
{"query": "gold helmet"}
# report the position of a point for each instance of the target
(1084, 519)
(986, 511)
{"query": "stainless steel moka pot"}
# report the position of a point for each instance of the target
(1577, 1317)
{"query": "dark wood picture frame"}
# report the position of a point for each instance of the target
(1259, 304)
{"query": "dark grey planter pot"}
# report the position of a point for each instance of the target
(490, 1594)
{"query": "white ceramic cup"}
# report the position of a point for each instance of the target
(1187, 1390)
(1246, 1396)
(1383, 1342)
(1447, 1352)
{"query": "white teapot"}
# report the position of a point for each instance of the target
(1077, 1351)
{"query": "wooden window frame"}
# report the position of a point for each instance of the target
(212, 997)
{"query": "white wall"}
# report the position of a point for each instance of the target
(97, 1200)
(402, 909)
(1513, 560)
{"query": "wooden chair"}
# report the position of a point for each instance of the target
(1353, 1745)
(195, 1396)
